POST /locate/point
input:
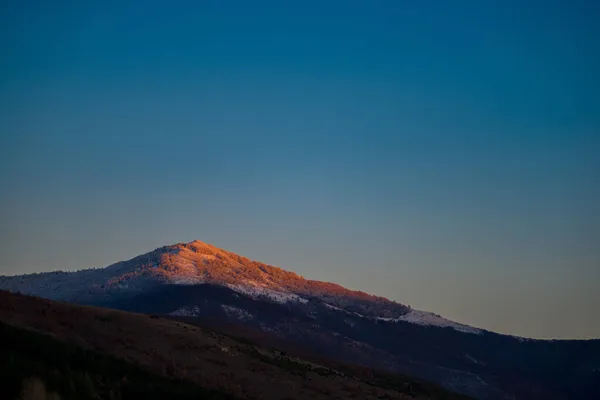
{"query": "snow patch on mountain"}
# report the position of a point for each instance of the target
(331, 307)
(334, 308)
(473, 359)
(186, 280)
(430, 319)
(186, 312)
(417, 317)
(237, 312)
(255, 291)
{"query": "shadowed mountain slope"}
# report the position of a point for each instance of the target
(90, 340)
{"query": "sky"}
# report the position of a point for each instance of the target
(444, 154)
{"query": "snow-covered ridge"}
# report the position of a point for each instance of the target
(420, 318)
(431, 319)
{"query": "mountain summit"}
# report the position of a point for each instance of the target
(196, 263)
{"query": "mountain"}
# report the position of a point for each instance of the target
(199, 283)
(200, 263)
(196, 263)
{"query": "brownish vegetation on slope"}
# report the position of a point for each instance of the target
(174, 349)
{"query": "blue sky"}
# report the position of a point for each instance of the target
(445, 154)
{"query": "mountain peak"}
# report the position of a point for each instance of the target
(200, 245)
(195, 263)
(200, 263)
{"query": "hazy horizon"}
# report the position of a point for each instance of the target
(446, 156)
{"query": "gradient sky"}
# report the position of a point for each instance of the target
(445, 154)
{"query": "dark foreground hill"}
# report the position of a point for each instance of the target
(59, 350)
(36, 366)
